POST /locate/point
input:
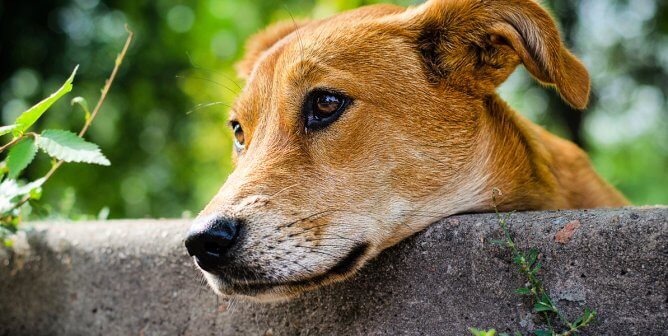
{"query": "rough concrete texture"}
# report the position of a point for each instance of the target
(134, 278)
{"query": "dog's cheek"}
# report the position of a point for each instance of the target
(415, 180)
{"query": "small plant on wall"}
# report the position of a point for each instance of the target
(529, 265)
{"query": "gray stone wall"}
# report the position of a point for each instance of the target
(135, 278)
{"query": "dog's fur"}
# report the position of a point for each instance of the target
(426, 136)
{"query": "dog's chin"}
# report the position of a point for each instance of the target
(267, 291)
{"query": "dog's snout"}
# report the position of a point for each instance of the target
(210, 243)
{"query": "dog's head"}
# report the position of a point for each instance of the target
(357, 131)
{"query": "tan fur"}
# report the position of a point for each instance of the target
(426, 136)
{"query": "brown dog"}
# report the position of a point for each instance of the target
(359, 130)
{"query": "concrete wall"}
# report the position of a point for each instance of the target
(134, 278)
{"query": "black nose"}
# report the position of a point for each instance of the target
(210, 243)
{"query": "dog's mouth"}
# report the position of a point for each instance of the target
(259, 289)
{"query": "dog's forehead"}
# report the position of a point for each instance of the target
(348, 41)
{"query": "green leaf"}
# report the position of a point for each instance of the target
(81, 101)
(477, 332)
(587, 317)
(523, 291)
(589, 314)
(532, 256)
(9, 226)
(32, 186)
(6, 129)
(544, 304)
(501, 243)
(20, 156)
(543, 333)
(29, 117)
(36, 193)
(10, 191)
(535, 270)
(103, 214)
(69, 147)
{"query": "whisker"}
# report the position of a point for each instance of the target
(323, 245)
(312, 249)
(289, 224)
(299, 39)
(210, 81)
(300, 265)
(291, 261)
(199, 67)
(424, 211)
(329, 223)
(337, 237)
(380, 221)
(201, 281)
(205, 105)
(308, 229)
(233, 304)
(428, 214)
(282, 190)
(423, 215)
(324, 237)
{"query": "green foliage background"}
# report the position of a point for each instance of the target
(166, 161)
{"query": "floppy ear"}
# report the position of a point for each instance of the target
(262, 41)
(499, 34)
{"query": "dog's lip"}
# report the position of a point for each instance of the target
(341, 268)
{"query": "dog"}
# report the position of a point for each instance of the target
(356, 131)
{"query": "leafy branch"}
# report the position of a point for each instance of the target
(528, 264)
(61, 145)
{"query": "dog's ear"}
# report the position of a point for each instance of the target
(262, 41)
(490, 38)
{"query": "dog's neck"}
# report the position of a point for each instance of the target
(534, 169)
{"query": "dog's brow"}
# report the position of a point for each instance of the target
(237, 109)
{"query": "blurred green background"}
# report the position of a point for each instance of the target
(167, 162)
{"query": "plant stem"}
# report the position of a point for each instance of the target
(572, 330)
(536, 286)
(107, 85)
(11, 143)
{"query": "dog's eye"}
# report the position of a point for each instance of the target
(323, 108)
(326, 105)
(239, 139)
